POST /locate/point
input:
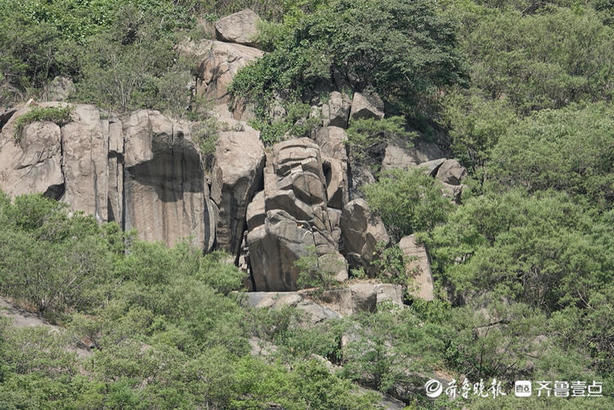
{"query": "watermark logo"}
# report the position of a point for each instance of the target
(523, 388)
(434, 388)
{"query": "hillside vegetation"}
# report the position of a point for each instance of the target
(520, 92)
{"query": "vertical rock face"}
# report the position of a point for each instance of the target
(361, 231)
(142, 172)
(418, 267)
(85, 146)
(165, 193)
(337, 110)
(290, 218)
(237, 176)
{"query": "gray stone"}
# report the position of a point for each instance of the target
(418, 268)
(366, 106)
(361, 231)
(239, 162)
(336, 111)
(240, 27)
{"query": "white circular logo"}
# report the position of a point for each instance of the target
(433, 388)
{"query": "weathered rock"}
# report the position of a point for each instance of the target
(331, 303)
(399, 155)
(361, 231)
(85, 162)
(142, 171)
(294, 221)
(336, 111)
(220, 62)
(366, 106)
(34, 164)
(453, 192)
(239, 161)
(60, 89)
(240, 27)
(431, 167)
(418, 267)
(332, 141)
(165, 192)
(360, 175)
(451, 172)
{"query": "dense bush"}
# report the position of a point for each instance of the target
(408, 201)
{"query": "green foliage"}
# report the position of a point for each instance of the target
(367, 136)
(476, 124)
(313, 273)
(295, 123)
(539, 250)
(58, 115)
(403, 49)
(133, 64)
(546, 60)
(408, 201)
(571, 150)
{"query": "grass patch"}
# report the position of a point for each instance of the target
(58, 115)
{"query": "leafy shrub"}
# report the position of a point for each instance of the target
(408, 201)
(58, 115)
(367, 136)
(571, 150)
(403, 49)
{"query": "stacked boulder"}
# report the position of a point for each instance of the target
(290, 218)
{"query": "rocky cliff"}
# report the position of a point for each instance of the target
(266, 207)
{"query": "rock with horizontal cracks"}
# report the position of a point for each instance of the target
(290, 218)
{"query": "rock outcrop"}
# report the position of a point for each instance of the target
(361, 231)
(366, 106)
(401, 156)
(336, 111)
(237, 176)
(290, 218)
(333, 303)
(418, 268)
(220, 62)
(240, 27)
(141, 171)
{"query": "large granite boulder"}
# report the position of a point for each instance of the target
(220, 62)
(366, 106)
(34, 163)
(418, 268)
(240, 27)
(336, 111)
(401, 155)
(361, 231)
(237, 176)
(290, 218)
(451, 172)
(332, 142)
